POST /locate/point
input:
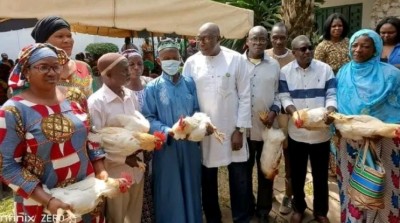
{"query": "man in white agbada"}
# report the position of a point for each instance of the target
(223, 89)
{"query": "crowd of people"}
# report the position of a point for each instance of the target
(52, 107)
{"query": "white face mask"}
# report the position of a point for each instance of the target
(170, 67)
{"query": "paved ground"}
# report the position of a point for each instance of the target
(279, 188)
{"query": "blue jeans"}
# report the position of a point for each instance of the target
(238, 187)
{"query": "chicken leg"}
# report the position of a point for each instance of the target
(217, 134)
(60, 212)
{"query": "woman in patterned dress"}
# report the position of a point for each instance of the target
(333, 49)
(368, 86)
(43, 139)
(57, 31)
(137, 84)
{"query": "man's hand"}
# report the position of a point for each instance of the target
(269, 121)
(209, 130)
(291, 109)
(237, 140)
(329, 120)
(132, 160)
(171, 133)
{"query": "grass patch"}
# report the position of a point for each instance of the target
(6, 204)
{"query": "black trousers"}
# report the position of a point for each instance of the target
(299, 153)
(264, 187)
(238, 188)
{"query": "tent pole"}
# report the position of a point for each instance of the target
(152, 45)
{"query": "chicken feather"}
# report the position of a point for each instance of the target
(195, 128)
(310, 118)
(85, 195)
(272, 152)
(357, 127)
(135, 122)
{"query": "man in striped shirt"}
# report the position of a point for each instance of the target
(308, 83)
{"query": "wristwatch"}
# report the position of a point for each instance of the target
(240, 129)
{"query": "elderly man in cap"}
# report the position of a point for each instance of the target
(177, 166)
(110, 100)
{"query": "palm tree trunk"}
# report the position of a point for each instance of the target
(298, 16)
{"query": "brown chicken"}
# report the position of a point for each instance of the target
(357, 127)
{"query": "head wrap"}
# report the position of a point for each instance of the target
(167, 43)
(45, 27)
(378, 43)
(130, 53)
(108, 61)
(29, 55)
(371, 86)
(41, 53)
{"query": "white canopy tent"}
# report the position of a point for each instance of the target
(121, 18)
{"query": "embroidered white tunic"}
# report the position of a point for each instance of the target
(223, 90)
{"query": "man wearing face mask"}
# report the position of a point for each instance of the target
(177, 166)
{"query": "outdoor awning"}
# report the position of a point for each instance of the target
(122, 18)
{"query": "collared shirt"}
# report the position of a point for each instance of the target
(312, 87)
(105, 104)
(223, 90)
(264, 82)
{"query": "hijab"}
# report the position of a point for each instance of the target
(370, 87)
(45, 27)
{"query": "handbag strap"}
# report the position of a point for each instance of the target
(366, 147)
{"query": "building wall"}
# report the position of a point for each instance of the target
(383, 8)
(367, 8)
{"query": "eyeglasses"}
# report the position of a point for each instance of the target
(205, 39)
(305, 48)
(45, 69)
(258, 40)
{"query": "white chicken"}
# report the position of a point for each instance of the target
(310, 119)
(195, 128)
(136, 122)
(85, 195)
(357, 127)
(272, 152)
(124, 142)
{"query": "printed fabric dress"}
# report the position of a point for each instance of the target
(44, 145)
(370, 88)
(81, 78)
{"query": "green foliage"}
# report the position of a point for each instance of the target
(266, 13)
(99, 49)
(6, 205)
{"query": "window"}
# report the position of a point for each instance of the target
(352, 13)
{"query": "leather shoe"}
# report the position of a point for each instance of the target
(297, 217)
(322, 219)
